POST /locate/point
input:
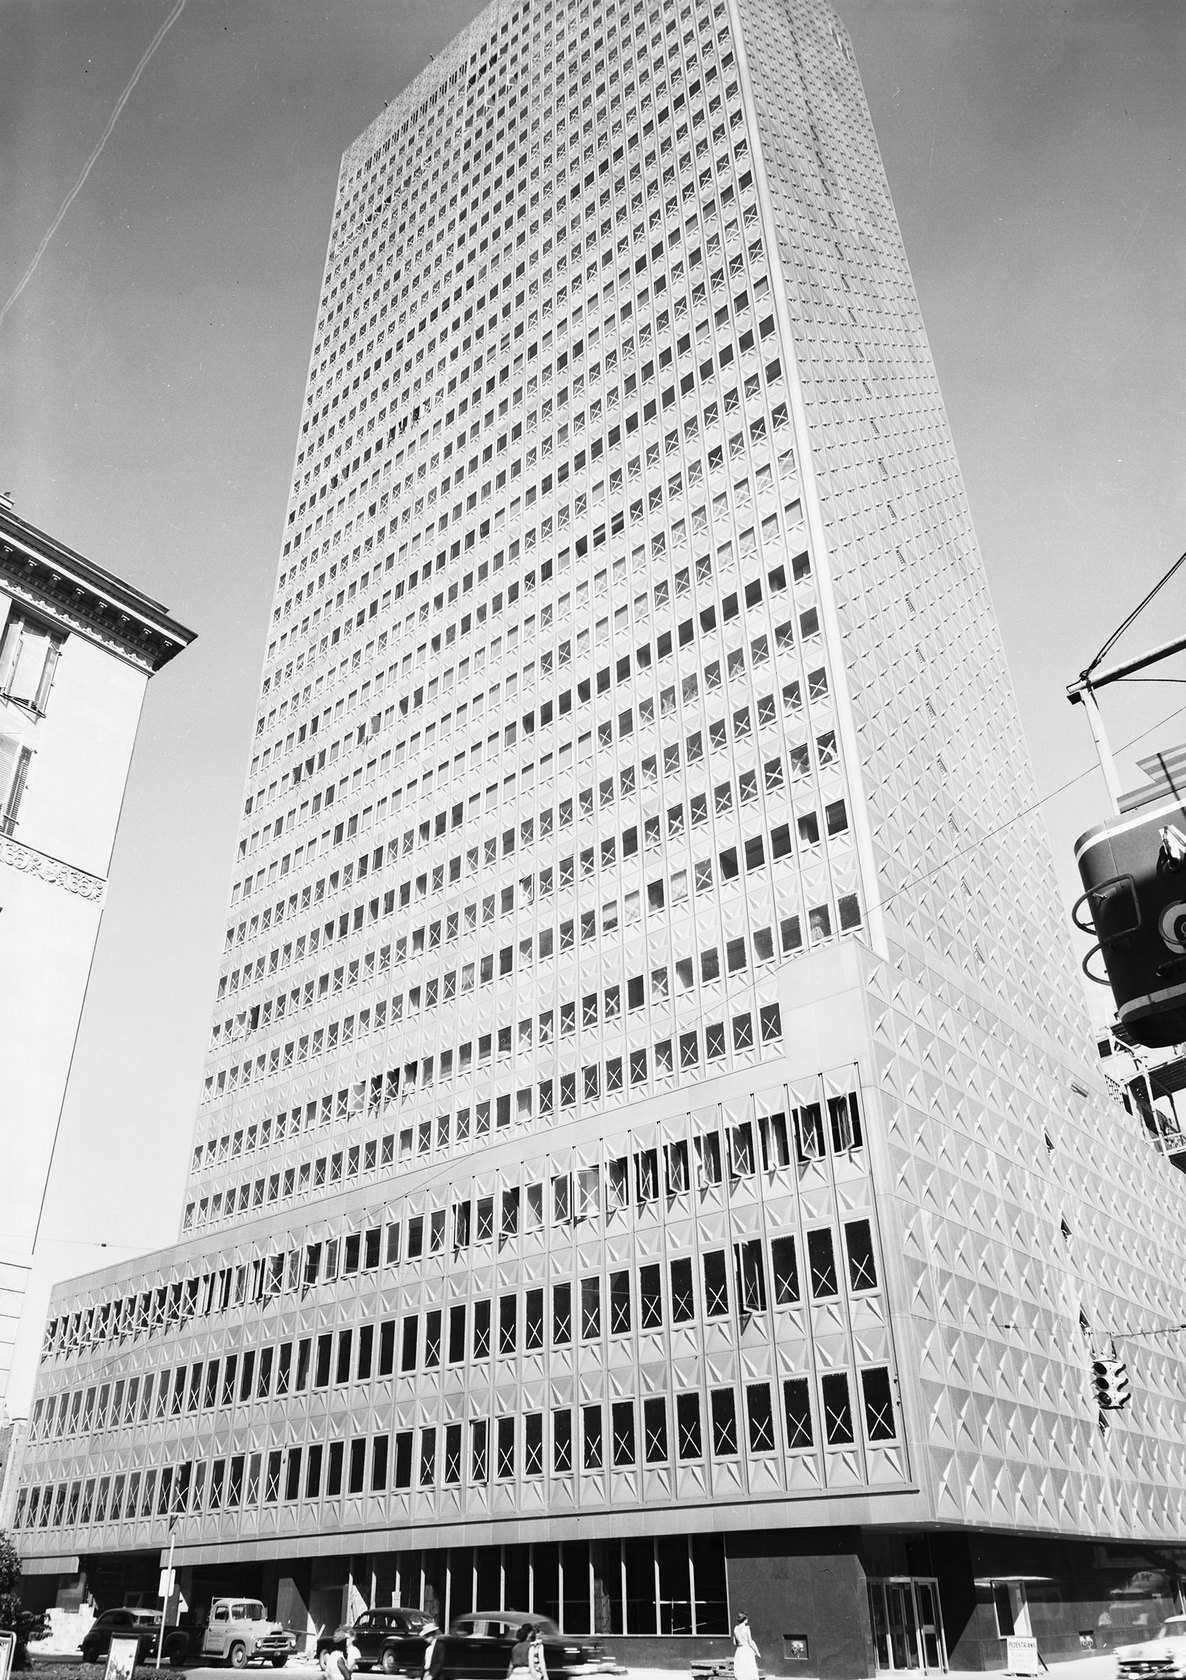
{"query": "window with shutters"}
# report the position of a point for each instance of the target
(15, 760)
(29, 653)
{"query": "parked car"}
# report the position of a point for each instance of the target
(390, 1638)
(1162, 1658)
(143, 1625)
(478, 1647)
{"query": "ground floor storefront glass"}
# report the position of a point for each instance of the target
(646, 1585)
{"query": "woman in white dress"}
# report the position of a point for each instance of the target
(745, 1651)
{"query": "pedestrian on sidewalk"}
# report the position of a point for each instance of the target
(745, 1650)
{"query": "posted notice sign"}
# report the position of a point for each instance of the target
(1021, 1656)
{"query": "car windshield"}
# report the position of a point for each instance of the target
(251, 1610)
(1173, 1629)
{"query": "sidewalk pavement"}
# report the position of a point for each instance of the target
(1100, 1665)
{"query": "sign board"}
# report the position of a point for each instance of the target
(121, 1659)
(1022, 1656)
(7, 1652)
(168, 1582)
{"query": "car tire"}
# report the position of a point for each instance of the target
(389, 1662)
(89, 1654)
(237, 1655)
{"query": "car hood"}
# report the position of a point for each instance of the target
(1151, 1648)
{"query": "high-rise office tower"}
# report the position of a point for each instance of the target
(650, 1163)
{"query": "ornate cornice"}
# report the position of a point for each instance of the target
(51, 870)
(82, 598)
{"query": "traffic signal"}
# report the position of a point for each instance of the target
(1113, 1391)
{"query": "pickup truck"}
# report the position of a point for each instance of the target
(1163, 1658)
(237, 1631)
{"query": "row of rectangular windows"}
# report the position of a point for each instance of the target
(528, 891)
(625, 670)
(512, 1323)
(728, 315)
(422, 237)
(690, 193)
(491, 383)
(550, 940)
(756, 851)
(747, 545)
(530, 830)
(804, 1137)
(713, 675)
(736, 268)
(588, 1084)
(583, 1194)
(574, 602)
(386, 1461)
(557, 1023)
(409, 580)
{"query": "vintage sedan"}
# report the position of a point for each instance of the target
(389, 1638)
(478, 1647)
(141, 1625)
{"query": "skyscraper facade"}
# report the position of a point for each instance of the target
(651, 1162)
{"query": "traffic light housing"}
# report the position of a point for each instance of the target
(1113, 1391)
(1134, 877)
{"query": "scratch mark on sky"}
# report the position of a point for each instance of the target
(94, 157)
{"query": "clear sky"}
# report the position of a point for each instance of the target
(152, 369)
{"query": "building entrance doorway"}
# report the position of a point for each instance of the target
(907, 1625)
